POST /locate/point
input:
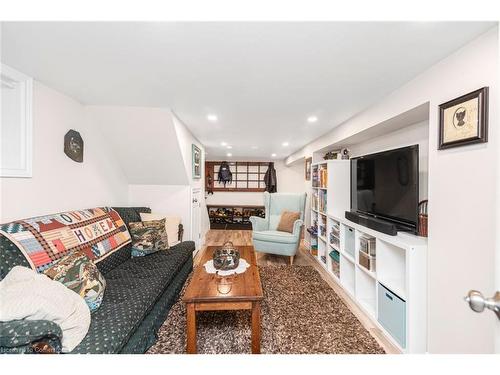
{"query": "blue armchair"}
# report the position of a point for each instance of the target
(266, 238)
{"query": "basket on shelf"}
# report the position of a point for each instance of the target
(422, 218)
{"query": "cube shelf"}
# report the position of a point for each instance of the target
(366, 291)
(395, 265)
(392, 267)
(347, 276)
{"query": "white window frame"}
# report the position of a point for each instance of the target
(10, 76)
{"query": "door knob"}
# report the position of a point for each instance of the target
(478, 303)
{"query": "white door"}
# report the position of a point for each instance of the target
(196, 217)
(486, 302)
(490, 306)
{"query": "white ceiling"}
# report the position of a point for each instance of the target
(262, 80)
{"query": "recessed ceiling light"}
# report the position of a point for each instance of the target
(285, 144)
(312, 119)
(212, 118)
(273, 155)
(223, 144)
(229, 147)
(229, 154)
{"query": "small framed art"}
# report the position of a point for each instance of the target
(464, 120)
(308, 169)
(196, 160)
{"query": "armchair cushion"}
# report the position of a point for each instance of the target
(287, 220)
(274, 236)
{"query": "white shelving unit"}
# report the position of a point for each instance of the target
(394, 294)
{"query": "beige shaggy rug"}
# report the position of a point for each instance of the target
(301, 314)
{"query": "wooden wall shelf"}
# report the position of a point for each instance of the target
(248, 176)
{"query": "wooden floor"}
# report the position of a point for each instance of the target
(244, 237)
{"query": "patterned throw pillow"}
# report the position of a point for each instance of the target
(77, 272)
(148, 237)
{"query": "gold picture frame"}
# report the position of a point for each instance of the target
(464, 120)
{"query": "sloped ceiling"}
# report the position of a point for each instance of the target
(144, 141)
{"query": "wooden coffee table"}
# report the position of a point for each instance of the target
(245, 294)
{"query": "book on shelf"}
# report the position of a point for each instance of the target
(322, 201)
(315, 200)
(315, 176)
(323, 177)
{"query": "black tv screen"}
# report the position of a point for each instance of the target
(385, 185)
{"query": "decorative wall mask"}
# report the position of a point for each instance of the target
(73, 146)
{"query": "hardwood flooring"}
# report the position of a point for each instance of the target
(303, 258)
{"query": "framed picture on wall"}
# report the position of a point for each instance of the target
(196, 160)
(464, 120)
(308, 169)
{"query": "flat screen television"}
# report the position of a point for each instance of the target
(385, 185)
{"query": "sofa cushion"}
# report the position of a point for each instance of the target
(274, 236)
(78, 273)
(21, 336)
(148, 237)
(171, 225)
(131, 214)
(10, 256)
(131, 292)
(128, 215)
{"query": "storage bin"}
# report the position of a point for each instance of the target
(314, 249)
(350, 242)
(335, 255)
(367, 245)
(392, 314)
(367, 261)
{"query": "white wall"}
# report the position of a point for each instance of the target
(290, 180)
(144, 141)
(172, 200)
(58, 183)
(462, 189)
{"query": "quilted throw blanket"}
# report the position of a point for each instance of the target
(98, 232)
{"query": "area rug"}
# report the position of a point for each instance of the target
(301, 314)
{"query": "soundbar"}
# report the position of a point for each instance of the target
(373, 223)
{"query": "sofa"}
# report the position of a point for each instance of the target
(139, 294)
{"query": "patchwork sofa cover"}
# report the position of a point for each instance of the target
(138, 296)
